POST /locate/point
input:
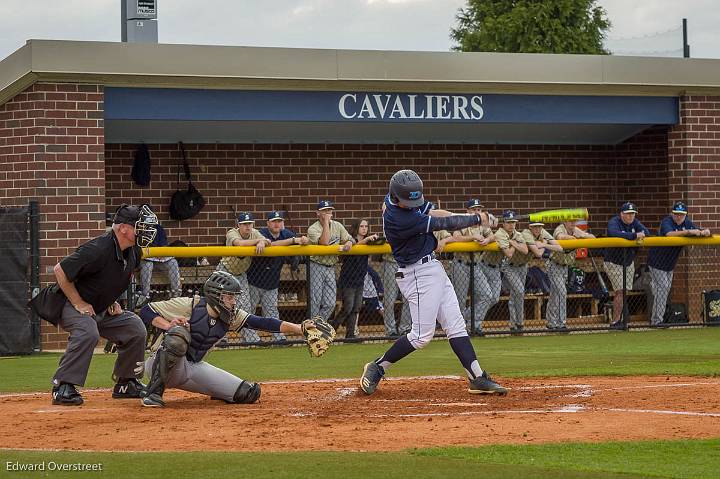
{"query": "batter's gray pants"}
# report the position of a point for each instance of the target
(556, 311)
(323, 290)
(248, 335)
(126, 330)
(202, 378)
(515, 278)
(389, 297)
(660, 283)
(268, 299)
(170, 267)
(490, 283)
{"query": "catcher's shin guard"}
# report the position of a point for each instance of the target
(174, 346)
(247, 393)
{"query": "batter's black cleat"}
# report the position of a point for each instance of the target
(153, 400)
(66, 395)
(128, 389)
(371, 376)
(485, 385)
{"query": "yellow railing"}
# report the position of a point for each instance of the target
(315, 250)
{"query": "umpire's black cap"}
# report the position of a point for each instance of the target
(127, 215)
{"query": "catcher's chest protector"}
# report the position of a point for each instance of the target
(204, 332)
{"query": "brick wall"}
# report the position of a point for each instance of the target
(262, 177)
(52, 150)
(694, 175)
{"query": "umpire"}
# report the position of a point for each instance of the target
(92, 278)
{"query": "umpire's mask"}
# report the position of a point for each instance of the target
(142, 219)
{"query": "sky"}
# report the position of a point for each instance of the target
(338, 24)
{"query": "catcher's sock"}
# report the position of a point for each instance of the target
(466, 354)
(397, 351)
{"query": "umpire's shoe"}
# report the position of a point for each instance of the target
(371, 376)
(128, 389)
(485, 385)
(66, 395)
(153, 400)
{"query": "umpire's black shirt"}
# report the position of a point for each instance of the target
(100, 270)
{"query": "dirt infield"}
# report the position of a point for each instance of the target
(403, 413)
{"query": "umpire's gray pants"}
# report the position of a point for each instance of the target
(556, 311)
(126, 330)
(489, 283)
(248, 335)
(660, 284)
(390, 295)
(202, 378)
(268, 299)
(323, 290)
(515, 278)
(171, 268)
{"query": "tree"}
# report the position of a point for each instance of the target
(531, 26)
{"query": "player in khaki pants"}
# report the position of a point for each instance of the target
(512, 245)
(557, 268)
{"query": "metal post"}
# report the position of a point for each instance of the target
(686, 47)
(473, 329)
(35, 271)
(623, 316)
(308, 287)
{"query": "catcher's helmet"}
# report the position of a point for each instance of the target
(142, 219)
(407, 187)
(219, 284)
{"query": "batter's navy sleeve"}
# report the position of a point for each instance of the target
(271, 325)
(453, 223)
(147, 314)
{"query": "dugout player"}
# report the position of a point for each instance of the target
(92, 278)
(662, 260)
(408, 223)
(193, 326)
(243, 235)
(626, 226)
(512, 244)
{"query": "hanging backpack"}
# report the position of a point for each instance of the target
(141, 166)
(185, 204)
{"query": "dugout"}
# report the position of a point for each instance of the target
(273, 128)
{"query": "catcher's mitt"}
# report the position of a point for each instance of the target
(318, 334)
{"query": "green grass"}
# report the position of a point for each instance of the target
(681, 352)
(658, 459)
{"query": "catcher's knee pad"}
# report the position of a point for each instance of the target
(247, 393)
(176, 341)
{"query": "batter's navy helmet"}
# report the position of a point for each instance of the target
(407, 187)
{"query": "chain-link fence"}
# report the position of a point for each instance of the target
(590, 285)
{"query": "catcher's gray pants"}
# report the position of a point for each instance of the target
(202, 377)
(248, 335)
(268, 299)
(352, 301)
(389, 297)
(556, 311)
(126, 330)
(515, 279)
(323, 290)
(489, 283)
(171, 268)
(660, 283)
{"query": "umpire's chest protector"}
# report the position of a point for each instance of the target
(204, 332)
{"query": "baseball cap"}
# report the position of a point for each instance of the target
(509, 216)
(537, 223)
(275, 215)
(126, 215)
(473, 203)
(245, 217)
(628, 208)
(680, 207)
(325, 205)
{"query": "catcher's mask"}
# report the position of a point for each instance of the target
(142, 219)
(222, 292)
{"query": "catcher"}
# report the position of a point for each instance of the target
(192, 327)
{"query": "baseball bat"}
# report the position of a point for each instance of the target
(556, 216)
